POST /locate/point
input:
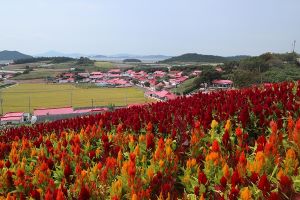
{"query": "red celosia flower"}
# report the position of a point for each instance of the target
(234, 193)
(120, 128)
(223, 182)
(60, 195)
(202, 178)
(286, 185)
(132, 157)
(44, 166)
(238, 132)
(261, 142)
(84, 193)
(254, 177)
(196, 190)
(35, 194)
(150, 141)
(242, 159)
(7, 164)
(274, 196)
(235, 178)
(264, 185)
(215, 146)
(225, 139)
(20, 173)
(67, 171)
(149, 127)
(1, 164)
(48, 195)
(92, 154)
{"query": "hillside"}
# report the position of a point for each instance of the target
(194, 57)
(226, 144)
(12, 55)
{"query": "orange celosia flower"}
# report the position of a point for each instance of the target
(228, 126)
(168, 151)
(279, 174)
(291, 162)
(245, 194)
(226, 171)
(150, 173)
(161, 163)
(134, 197)
(258, 163)
(120, 158)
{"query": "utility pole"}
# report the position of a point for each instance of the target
(294, 46)
(92, 103)
(29, 104)
(71, 98)
(1, 106)
(260, 74)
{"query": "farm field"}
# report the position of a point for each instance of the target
(237, 145)
(17, 97)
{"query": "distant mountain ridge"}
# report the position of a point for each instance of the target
(103, 57)
(194, 57)
(12, 55)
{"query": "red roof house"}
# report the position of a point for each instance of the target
(53, 111)
(12, 118)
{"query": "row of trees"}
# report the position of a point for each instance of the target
(44, 59)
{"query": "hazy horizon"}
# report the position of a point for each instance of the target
(155, 27)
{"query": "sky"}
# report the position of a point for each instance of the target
(148, 27)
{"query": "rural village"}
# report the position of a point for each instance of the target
(156, 86)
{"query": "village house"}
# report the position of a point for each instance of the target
(14, 118)
(161, 95)
(222, 83)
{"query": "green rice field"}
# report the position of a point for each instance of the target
(26, 97)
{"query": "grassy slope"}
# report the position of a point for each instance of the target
(184, 86)
(16, 98)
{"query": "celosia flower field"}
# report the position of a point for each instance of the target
(239, 144)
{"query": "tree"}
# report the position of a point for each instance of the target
(207, 77)
(84, 61)
(134, 81)
(243, 78)
(147, 84)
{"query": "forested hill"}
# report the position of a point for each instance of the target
(194, 57)
(13, 55)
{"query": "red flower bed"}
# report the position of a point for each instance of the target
(241, 144)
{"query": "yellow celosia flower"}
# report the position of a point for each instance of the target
(245, 194)
(117, 187)
(214, 124)
(97, 152)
